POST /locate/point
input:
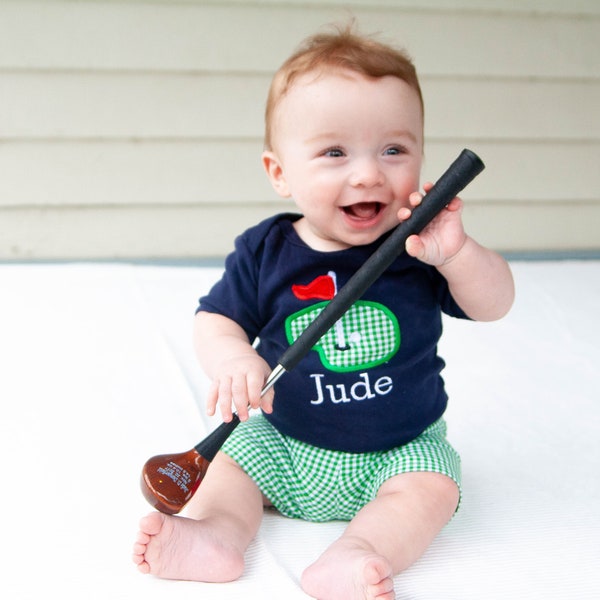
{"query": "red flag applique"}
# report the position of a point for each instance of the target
(320, 288)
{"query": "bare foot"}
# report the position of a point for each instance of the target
(349, 571)
(181, 548)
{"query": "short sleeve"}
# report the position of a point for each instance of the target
(235, 294)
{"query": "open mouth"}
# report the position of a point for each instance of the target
(363, 210)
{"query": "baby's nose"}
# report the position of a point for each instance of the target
(366, 173)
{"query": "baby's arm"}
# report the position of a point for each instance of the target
(236, 370)
(479, 279)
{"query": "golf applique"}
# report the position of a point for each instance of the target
(367, 335)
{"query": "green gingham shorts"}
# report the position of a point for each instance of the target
(315, 484)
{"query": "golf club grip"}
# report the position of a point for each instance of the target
(458, 175)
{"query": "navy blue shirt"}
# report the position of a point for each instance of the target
(373, 381)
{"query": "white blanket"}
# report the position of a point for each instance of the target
(98, 374)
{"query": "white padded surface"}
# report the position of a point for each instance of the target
(98, 374)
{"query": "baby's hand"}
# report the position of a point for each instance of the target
(441, 240)
(238, 383)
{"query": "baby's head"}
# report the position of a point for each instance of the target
(340, 50)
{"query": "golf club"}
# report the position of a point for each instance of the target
(169, 481)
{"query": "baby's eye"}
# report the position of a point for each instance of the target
(334, 152)
(394, 150)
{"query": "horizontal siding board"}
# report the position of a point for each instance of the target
(108, 105)
(110, 232)
(96, 174)
(134, 106)
(183, 37)
(183, 232)
(524, 226)
(542, 172)
(508, 109)
(581, 7)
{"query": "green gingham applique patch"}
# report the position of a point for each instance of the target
(367, 335)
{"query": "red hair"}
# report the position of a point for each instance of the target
(341, 49)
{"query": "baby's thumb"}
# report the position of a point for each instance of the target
(415, 247)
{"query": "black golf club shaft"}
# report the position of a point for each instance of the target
(458, 175)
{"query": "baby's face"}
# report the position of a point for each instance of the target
(348, 150)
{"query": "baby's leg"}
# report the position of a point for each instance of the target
(387, 536)
(209, 543)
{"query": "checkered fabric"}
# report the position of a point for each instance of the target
(367, 335)
(315, 484)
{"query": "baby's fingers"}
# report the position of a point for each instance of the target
(241, 397)
(415, 247)
(267, 401)
(211, 398)
(255, 382)
(256, 398)
(416, 197)
(239, 387)
(414, 200)
(224, 397)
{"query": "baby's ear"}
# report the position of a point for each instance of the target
(275, 174)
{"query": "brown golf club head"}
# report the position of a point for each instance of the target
(169, 480)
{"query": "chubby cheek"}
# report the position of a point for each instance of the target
(404, 189)
(320, 195)
(313, 205)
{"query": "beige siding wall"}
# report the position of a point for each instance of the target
(134, 129)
